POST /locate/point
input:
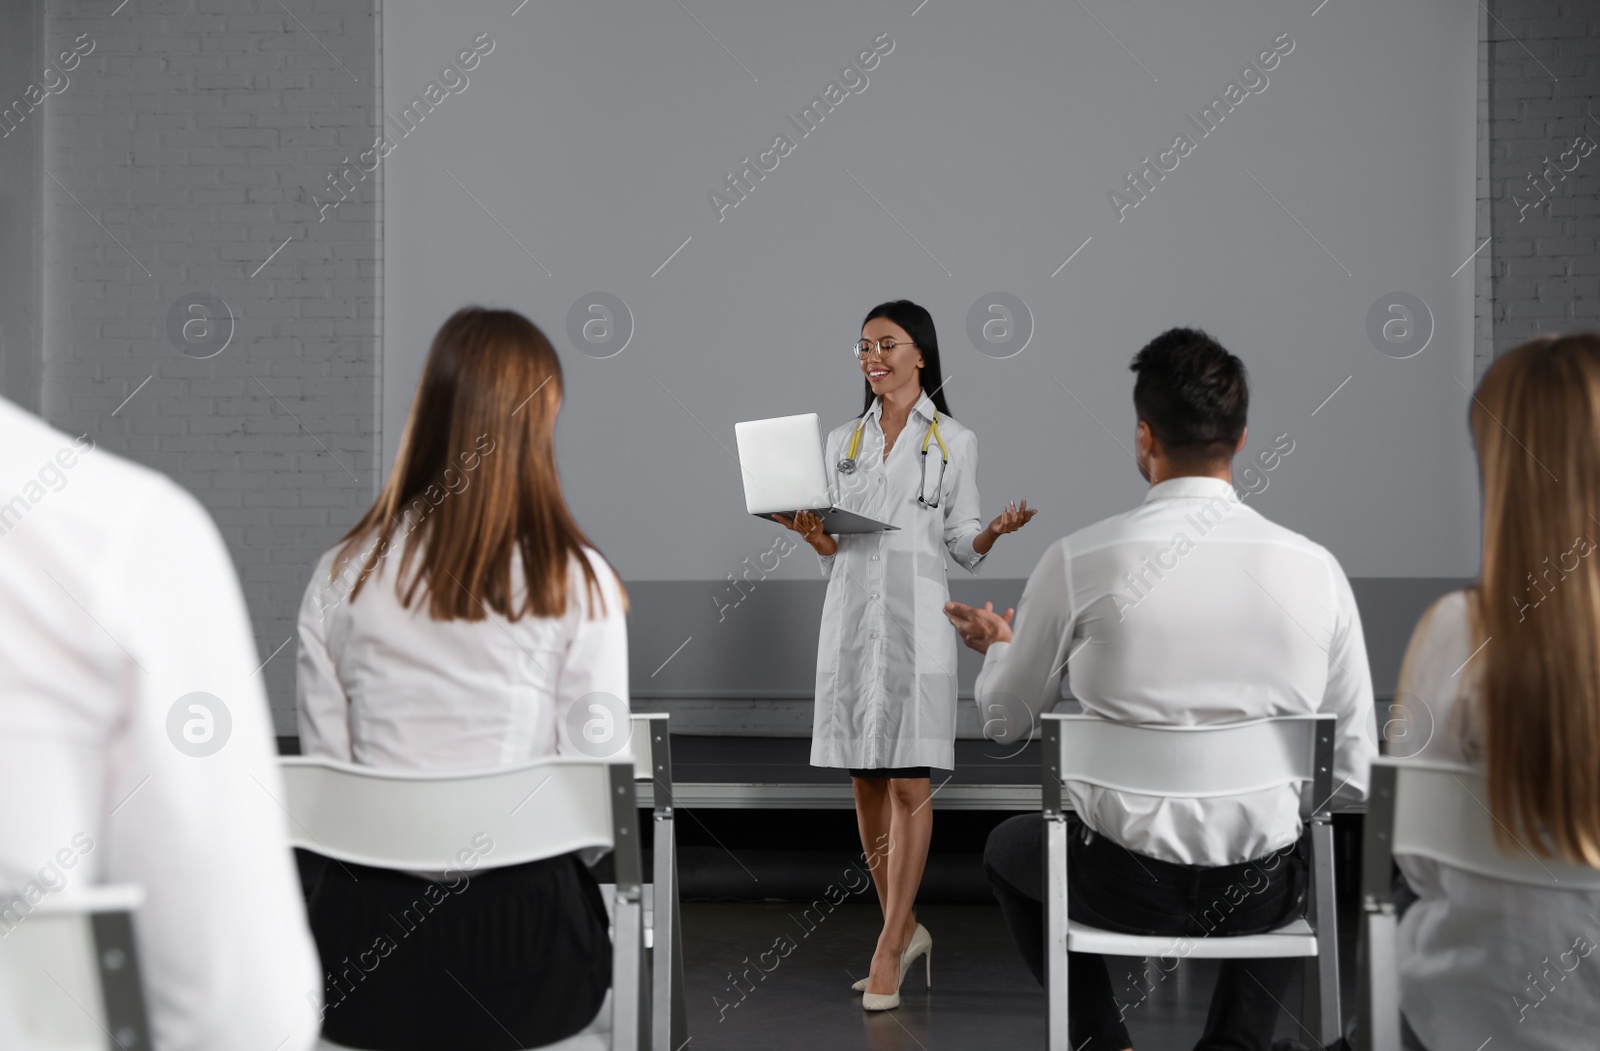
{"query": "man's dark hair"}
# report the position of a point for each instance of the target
(1193, 395)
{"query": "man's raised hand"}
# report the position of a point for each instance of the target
(980, 628)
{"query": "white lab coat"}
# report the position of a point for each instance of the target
(886, 655)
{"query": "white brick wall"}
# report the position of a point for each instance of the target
(1546, 269)
(196, 140)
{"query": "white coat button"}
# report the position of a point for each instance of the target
(874, 558)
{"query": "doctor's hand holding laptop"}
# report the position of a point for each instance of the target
(786, 480)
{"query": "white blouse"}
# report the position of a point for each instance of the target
(383, 685)
(886, 654)
(1482, 958)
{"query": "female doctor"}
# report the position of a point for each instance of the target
(886, 658)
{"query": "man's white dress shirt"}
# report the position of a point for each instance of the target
(886, 657)
(1188, 610)
(1482, 958)
(118, 599)
(383, 685)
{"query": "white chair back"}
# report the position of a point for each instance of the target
(429, 821)
(1192, 762)
(1441, 811)
(1438, 811)
(69, 974)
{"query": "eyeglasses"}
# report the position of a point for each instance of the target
(885, 346)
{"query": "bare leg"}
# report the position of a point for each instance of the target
(910, 831)
(872, 819)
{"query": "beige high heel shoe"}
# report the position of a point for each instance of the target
(921, 945)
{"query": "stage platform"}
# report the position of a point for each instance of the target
(776, 773)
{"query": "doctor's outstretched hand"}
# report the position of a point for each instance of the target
(980, 628)
(1010, 519)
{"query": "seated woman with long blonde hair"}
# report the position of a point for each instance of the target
(1506, 675)
(459, 625)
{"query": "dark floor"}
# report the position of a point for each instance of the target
(982, 996)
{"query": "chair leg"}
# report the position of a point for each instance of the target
(1055, 949)
(1322, 1010)
(1378, 1014)
(630, 1001)
(680, 1011)
(669, 1025)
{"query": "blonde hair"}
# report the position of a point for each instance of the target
(1536, 425)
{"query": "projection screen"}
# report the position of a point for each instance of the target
(698, 202)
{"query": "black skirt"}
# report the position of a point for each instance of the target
(495, 959)
(895, 771)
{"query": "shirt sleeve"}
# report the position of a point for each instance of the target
(962, 515)
(322, 707)
(1022, 678)
(1348, 697)
(594, 669)
(1425, 721)
(1420, 723)
(193, 797)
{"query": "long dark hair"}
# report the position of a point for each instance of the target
(918, 324)
(473, 404)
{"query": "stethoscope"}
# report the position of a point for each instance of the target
(848, 464)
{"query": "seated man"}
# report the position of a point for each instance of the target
(1189, 609)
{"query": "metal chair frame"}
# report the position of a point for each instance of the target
(97, 921)
(652, 753)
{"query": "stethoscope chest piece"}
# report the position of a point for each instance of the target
(848, 464)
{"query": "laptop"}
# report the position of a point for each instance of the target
(781, 461)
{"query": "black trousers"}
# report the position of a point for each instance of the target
(1110, 887)
(495, 959)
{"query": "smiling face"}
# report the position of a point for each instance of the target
(895, 369)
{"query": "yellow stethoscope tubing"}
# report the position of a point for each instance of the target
(933, 435)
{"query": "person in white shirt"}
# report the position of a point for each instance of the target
(1504, 675)
(1189, 609)
(886, 683)
(465, 622)
(136, 745)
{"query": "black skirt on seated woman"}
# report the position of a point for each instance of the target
(497, 959)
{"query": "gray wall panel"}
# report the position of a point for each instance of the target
(765, 646)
